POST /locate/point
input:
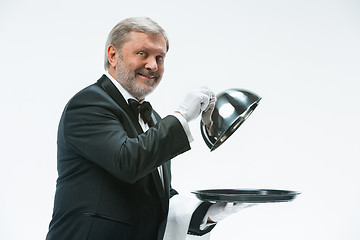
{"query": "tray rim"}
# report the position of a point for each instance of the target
(217, 196)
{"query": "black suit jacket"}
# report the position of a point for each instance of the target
(108, 186)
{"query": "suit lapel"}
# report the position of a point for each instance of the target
(114, 93)
(167, 179)
(162, 191)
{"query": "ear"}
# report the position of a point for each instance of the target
(112, 56)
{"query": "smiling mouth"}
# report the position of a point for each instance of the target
(151, 77)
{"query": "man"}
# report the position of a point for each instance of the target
(114, 179)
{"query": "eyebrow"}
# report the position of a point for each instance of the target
(149, 50)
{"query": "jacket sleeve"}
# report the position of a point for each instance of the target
(185, 217)
(96, 128)
(197, 218)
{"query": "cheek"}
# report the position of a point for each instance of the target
(161, 69)
(133, 63)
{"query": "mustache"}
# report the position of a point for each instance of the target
(148, 73)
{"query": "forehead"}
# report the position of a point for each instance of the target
(139, 40)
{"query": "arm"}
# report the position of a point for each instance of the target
(98, 129)
(197, 220)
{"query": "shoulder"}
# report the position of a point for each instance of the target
(90, 103)
(91, 95)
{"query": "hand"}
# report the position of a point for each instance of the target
(194, 103)
(206, 114)
(221, 210)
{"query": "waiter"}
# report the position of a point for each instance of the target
(114, 151)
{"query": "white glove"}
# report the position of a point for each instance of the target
(206, 114)
(194, 103)
(221, 210)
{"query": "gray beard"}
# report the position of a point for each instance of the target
(127, 79)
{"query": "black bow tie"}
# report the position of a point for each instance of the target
(144, 109)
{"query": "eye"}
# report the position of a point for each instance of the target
(142, 54)
(160, 59)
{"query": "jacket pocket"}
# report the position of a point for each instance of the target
(108, 218)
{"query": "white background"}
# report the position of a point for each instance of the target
(302, 57)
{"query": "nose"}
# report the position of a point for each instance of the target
(151, 64)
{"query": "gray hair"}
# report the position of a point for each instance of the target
(119, 34)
